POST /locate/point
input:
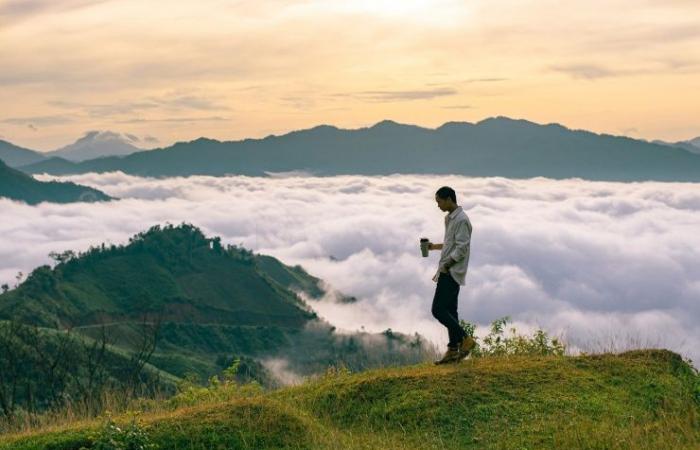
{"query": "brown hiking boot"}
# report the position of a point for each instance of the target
(452, 355)
(466, 346)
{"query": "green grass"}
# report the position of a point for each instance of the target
(640, 399)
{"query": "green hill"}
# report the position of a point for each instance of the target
(174, 273)
(203, 304)
(17, 185)
(636, 400)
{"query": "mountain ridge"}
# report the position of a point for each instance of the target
(15, 156)
(20, 186)
(496, 146)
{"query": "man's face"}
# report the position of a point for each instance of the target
(443, 203)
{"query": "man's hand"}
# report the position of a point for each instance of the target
(445, 267)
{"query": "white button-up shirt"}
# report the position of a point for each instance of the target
(458, 233)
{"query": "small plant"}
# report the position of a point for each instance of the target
(218, 388)
(498, 343)
(132, 436)
(336, 371)
(695, 373)
(229, 373)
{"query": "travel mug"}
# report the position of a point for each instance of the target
(424, 242)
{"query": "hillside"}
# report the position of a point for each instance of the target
(17, 185)
(493, 147)
(636, 400)
(53, 165)
(15, 156)
(201, 303)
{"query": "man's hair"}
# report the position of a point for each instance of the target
(447, 192)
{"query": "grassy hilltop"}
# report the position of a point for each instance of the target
(639, 399)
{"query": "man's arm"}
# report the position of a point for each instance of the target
(432, 246)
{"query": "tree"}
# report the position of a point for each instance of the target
(18, 277)
(62, 257)
(150, 333)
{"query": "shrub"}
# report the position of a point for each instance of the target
(218, 388)
(498, 343)
(132, 436)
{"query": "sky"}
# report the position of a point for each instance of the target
(605, 266)
(168, 71)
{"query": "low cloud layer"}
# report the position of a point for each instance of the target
(605, 265)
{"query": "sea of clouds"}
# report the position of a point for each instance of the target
(606, 266)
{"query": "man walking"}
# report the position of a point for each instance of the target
(452, 269)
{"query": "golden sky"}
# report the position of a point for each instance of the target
(175, 70)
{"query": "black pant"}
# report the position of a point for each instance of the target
(445, 308)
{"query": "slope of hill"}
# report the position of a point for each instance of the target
(17, 185)
(493, 147)
(207, 304)
(636, 400)
(15, 156)
(97, 144)
(693, 145)
(53, 165)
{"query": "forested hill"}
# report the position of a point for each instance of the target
(17, 185)
(175, 273)
(179, 304)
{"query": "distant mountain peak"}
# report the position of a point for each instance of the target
(325, 127)
(388, 124)
(385, 123)
(97, 144)
(454, 125)
(205, 140)
(505, 120)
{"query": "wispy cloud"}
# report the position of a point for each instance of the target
(393, 96)
(485, 80)
(167, 102)
(587, 71)
(175, 120)
(38, 120)
(15, 10)
(457, 107)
